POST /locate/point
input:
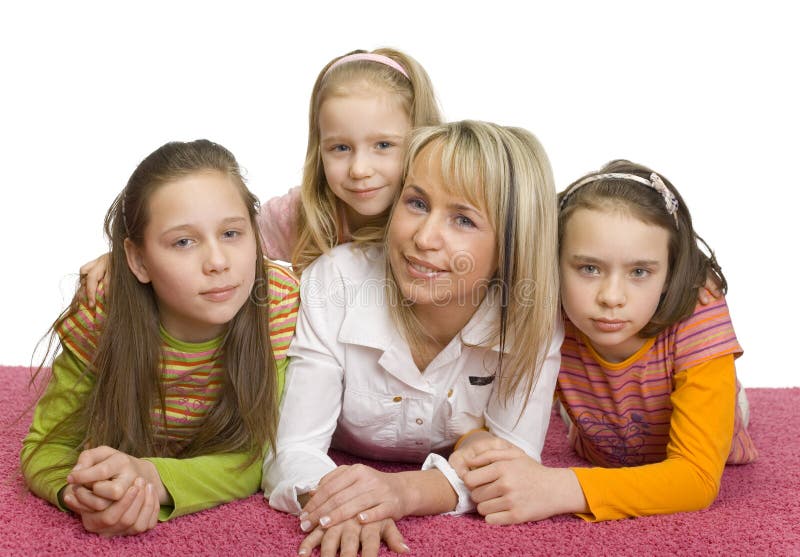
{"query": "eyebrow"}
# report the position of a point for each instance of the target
(457, 206)
(578, 258)
(225, 222)
(373, 137)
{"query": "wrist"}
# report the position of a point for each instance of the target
(60, 496)
(569, 491)
(153, 477)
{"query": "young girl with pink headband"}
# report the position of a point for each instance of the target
(363, 105)
(647, 381)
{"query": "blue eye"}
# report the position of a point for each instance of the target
(340, 148)
(589, 269)
(461, 220)
(416, 204)
(231, 234)
(182, 243)
(640, 273)
(384, 145)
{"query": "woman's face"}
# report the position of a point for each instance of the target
(442, 249)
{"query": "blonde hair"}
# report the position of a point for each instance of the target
(319, 223)
(506, 171)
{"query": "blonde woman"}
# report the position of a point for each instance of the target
(447, 331)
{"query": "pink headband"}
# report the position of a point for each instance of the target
(380, 58)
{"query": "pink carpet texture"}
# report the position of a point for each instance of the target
(757, 511)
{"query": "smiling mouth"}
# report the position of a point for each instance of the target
(365, 192)
(419, 268)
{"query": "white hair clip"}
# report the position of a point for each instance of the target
(669, 198)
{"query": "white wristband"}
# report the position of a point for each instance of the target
(465, 503)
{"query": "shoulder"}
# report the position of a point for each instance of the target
(350, 263)
(707, 333)
(284, 299)
(80, 329)
(289, 200)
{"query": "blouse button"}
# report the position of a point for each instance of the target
(397, 398)
(419, 421)
(449, 393)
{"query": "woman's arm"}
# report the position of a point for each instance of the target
(312, 400)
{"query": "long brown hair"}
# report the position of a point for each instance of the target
(689, 265)
(319, 227)
(127, 364)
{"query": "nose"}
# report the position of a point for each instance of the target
(216, 259)
(612, 292)
(428, 235)
(361, 165)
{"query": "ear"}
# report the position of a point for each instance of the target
(136, 262)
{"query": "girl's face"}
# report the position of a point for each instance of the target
(442, 249)
(198, 252)
(362, 143)
(613, 271)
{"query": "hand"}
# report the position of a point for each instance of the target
(92, 274)
(475, 444)
(357, 490)
(348, 536)
(510, 487)
(709, 292)
(110, 473)
(82, 499)
(135, 512)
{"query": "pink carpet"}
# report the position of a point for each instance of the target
(756, 513)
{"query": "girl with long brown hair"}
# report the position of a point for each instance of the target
(165, 394)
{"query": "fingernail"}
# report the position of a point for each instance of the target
(324, 521)
(305, 526)
(303, 551)
(406, 548)
(362, 517)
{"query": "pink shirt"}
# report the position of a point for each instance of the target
(277, 223)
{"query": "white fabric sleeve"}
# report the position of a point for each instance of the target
(525, 425)
(465, 503)
(312, 398)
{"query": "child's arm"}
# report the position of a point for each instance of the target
(92, 274)
(46, 460)
(511, 487)
(701, 428)
(277, 223)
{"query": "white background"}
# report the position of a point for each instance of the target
(705, 92)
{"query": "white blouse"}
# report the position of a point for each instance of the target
(353, 384)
